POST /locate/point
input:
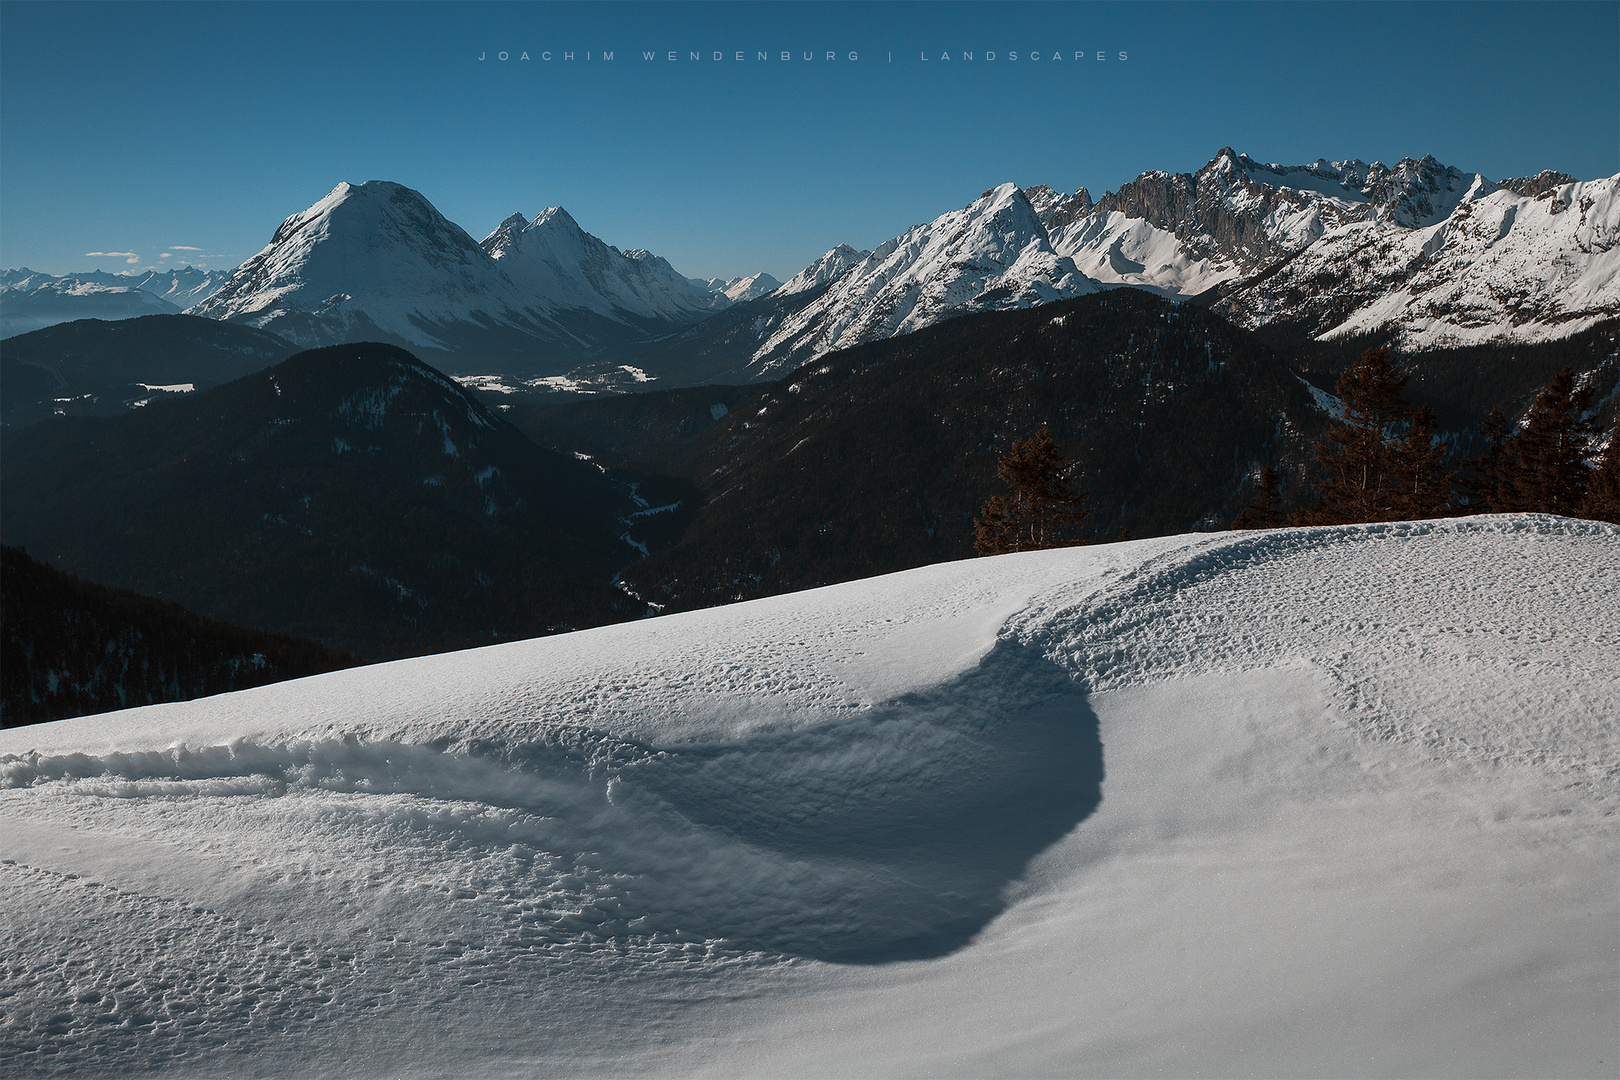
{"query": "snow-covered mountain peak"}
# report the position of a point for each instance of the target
(823, 270)
(992, 254)
(389, 258)
(558, 219)
(553, 258)
(1419, 192)
(376, 261)
(723, 292)
(497, 242)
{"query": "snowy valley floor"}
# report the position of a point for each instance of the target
(1333, 802)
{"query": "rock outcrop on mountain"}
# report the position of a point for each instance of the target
(1545, 180)
(1056, 210)
(1502, 266)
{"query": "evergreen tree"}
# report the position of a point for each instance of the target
(1361, 463)
(1265, 511)
(1545, 468)
(1481, 482)
(1039, 510)
(1422, 488)
(1602, 501)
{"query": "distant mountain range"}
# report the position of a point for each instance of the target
(1426, 254)
(32, 301)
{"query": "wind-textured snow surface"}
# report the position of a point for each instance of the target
(1305, 802)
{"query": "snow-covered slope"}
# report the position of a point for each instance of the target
(1115, 249)
(1306, 802)
(1500, 265)
(991, 255)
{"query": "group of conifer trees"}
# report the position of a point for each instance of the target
(1383, 462)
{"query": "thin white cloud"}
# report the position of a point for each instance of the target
(182, 247)
(165, 255)
(128, 256)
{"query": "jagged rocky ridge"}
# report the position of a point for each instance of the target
(1426, 253)
(1432, 254)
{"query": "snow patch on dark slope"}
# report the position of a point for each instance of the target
(1356, 816)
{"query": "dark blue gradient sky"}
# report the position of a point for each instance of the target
(137, 127)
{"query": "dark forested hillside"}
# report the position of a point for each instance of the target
(96, 368)
(70, 648)
(352, 495)
(1462, 385)
(876, 458)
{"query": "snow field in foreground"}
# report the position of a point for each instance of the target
(1311, 802)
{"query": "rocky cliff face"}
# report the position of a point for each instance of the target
(1501, 266)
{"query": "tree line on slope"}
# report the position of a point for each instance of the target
(1384, 462)
(70, 648)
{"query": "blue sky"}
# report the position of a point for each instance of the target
(194, 129)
